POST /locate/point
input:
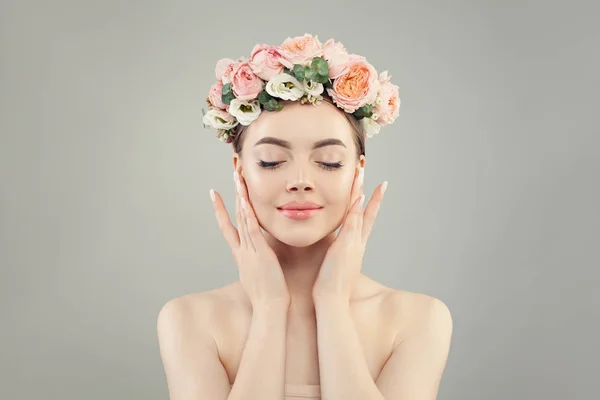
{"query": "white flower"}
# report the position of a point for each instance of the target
(309, 98)
(285, 87)
(219, 119)
(245, 112)
(313, 88)
(370, 127)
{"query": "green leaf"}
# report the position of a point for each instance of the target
(203, 114)
(273, 105)
(226, 98)
(299, 72)
(264, 97)
(269, 105)
(227, 94)
(321, 66)
(322, 79)
(310, 73)
(226, 89)
(364, 112)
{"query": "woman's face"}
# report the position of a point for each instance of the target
(301, 157)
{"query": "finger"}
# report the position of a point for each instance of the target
(357, 187)
(239, 219)
(359, 184)
(244, 206)
(256, 236)
(227, 229)
(371, 211)
(352, 226)
(249, 215)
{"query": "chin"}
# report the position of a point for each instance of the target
(298, 240)
(297, 236)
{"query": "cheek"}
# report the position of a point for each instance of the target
(336, 188)
(262, 189)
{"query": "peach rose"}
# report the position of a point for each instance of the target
(387, 106)
(336, 55)
(246, 85)
(357, 87)
(215, 96)
(264, 61)
(300, 50)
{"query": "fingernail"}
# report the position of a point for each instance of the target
(212, 195)
(238, 186)
(236, 176)
(361, 175)
(384, 187)
(243, 202)
(362, 199)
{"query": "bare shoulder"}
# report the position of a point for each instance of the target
(188, 349)
(193, 313)
(418, 313)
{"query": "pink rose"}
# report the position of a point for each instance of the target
(215, 96)
(384, 77)
(300, 50)
(336, 55)
(246, 85)
(389, 107)
(357, 86)
(264, 61)
(223, 69)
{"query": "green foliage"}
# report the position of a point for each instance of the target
(268, 102)
(364, 112)
(227, 94)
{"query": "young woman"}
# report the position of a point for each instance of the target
(302, 322)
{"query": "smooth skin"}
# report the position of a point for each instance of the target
(302, 313)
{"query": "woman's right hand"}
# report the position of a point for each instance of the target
(260, 272)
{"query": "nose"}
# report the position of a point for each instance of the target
(300, 183)
(300, 186)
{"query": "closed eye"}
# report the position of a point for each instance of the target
(330, 166)
(276, 164)
(269, 164)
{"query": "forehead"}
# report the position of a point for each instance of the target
(301, 125)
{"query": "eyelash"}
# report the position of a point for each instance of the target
(276, 164)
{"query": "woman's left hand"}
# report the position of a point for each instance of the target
(343, 261)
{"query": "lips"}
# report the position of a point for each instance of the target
(300, 206)
(299, 210)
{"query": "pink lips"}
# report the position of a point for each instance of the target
(299, 210)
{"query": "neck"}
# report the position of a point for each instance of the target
(300, 266)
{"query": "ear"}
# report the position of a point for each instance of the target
(237, 164)
(361, 161)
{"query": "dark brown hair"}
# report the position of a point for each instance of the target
(359, 135)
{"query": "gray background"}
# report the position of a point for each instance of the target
(105, 169)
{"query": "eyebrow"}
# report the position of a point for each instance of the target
(287, 145)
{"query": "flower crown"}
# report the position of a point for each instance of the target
(299, 69)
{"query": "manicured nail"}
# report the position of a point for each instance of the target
(383, 187)
(243, 201)
(361, 175)
(362, 199)
(238, 186)
(212, 195)
(236, 176)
